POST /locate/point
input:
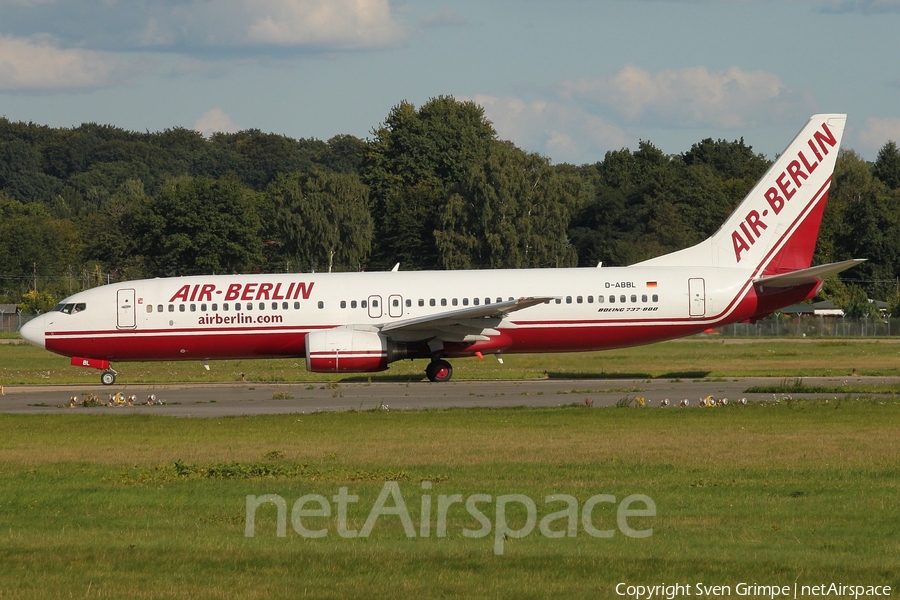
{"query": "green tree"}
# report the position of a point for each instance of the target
(887, 165)
(323, 218)
(196, 225)
(513, 210)
(869, 224)
(34, 244)
(411, 165)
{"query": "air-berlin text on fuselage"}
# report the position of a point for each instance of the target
(786, 185)
(207, 292)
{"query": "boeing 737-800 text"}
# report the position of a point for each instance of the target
(756, 263)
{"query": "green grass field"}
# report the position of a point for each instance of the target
(692, 358)
(110, 506)
(142, 506)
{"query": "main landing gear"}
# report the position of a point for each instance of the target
(439, 371)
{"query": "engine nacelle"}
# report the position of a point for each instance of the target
(348, 350)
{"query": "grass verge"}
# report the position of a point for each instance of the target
(696, 358)
(148, 506)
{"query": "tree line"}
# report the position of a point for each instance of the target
(432, 188)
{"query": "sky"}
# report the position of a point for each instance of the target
(568, 79)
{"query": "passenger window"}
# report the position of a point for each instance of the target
(487, 300)
(149, 308)
(296, 306)
(431, 302)
(395, 303)
(203, 308)
(590, 299)
(655, 298)
(475, 301)
(499, 300)
(171, 308)
(364, 304)
(634, 297)
(322, 304)
(353, 304)
(455, 302)
(193, 308)
(559, 300)
(644, 298)
(275, 306)
(443, 302)
(284, 306)
(262, 306)
(612, 299)
(249, 306)
(343, 304)
(622, 298)
(408, 303)
(568, 299)
(374, 303)
(465, 301)
(225, 307)
(579, 300)
(421, 302)
(215, 307)
(237, 306)
(600, 299)
(181, 308)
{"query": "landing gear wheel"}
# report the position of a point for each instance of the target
(439, 371)
(108, 377)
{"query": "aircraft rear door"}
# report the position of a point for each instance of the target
(126, 309)
(697, 293)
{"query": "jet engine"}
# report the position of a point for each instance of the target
(349, 350)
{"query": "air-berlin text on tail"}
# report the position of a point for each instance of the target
(207, 292)
(786, 185)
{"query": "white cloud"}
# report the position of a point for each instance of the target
(692, 97)
(339, 24)
(446, 18)
(215, 121)
(865, 7)
(562, 132)
(36, 64)
(877, 132)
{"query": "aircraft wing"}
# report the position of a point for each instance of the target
(470, 324)
(803, 276)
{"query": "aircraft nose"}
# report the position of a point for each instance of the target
(33, 331)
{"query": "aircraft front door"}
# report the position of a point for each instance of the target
(126, 309)
(697, 293)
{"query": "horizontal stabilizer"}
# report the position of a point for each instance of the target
(803, 276)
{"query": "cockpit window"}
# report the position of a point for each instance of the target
(71, 308)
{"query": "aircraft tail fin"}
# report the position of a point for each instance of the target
(775, 228)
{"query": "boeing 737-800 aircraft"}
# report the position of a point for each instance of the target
(757, 262)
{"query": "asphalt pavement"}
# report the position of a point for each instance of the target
(249, 398)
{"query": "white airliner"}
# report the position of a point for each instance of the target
(757, 262)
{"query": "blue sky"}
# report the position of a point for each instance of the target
(569, 79)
